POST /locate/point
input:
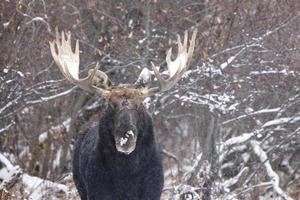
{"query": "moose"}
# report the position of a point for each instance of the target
(119, 159)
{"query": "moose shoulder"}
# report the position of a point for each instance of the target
(119, 159)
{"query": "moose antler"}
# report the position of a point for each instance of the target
(98, 82)
(68, 63)
(177, 67)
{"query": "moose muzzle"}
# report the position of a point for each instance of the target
(126, 133)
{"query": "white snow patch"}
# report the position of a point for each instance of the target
(147, 102)
(130, 133)
(145, 76)
(5, 161)
(43, 137)
(282, 120)
(239, 139)
(225, 64)
(142, 40)
(130, 22)
(5, 70)
(123, 140)
(56, 161)
(20, 74)
(4, 173)
(67, 124)
(6, 24)
(264, 72)
(36, 187)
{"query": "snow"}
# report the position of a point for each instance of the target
(93, 106)
(66, 124)
(231, 59)
(282, 120)
(142, 40)
(5, 70)
(6, 128)
(43, 137)
(222, 102)
(239, 139)
(4, 174)
(123, 140)
(186, 192)
(36, 187)
(144, 77)
(21, 74)
(130, 23)
(56, 161)
(6, 162)
(147, 102)
(43, 99)
(6, 106)
(274, 178)
(129, 133)
(225, 64)
(250, 114)
(284, 72)
(193, 167)
(6, 24)
(58, 95)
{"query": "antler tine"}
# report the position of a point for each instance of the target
(177, 67)
(185, 39)
(68, 63)
(192, 46)
(180, 47)
(156, 72)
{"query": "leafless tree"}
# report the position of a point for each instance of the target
(232, 130)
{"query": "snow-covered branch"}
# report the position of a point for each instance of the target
(259, 112)
(282, 120)
(34, 187)
(274, 178)
(6, 128)
(239, 139)
(44, 99)
(232, 181)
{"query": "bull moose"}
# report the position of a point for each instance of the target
(118, 159)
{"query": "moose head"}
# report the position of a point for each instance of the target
(125, 99)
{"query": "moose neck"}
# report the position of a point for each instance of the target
(121, 162)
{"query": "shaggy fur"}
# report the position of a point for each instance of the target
(102, 173)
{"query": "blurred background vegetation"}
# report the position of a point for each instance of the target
(242, 92)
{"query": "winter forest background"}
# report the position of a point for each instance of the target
(229, 130)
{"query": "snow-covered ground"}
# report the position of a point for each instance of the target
(21, 186)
